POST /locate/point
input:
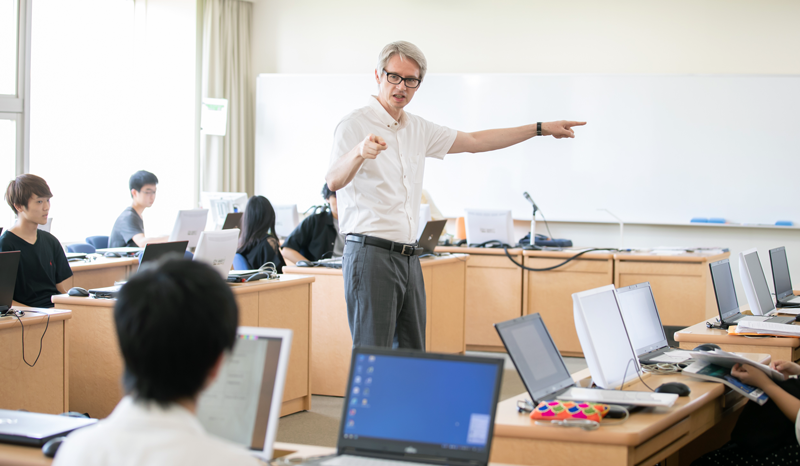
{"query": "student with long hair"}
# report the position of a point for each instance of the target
(258, 242)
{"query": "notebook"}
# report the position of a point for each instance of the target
(417, 407)
(643, 323)
(9, 264)
(429, 238)
(244, 403)
(542, 369)
(780, 277)
(35, 429)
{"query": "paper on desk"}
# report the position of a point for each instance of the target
(793, 311)
(726, 359)
(770, 328)
(673, 357)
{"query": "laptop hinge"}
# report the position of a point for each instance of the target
(4, 309)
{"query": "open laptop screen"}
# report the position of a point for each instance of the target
(722, 278)
(535, 355)
(780, 272)
(759, 282)
(414, 402)
(641, 318)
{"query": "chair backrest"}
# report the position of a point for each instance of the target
(99, 242)
(240, 263)
(82, 248)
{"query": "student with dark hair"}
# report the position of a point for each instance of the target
(43, 266)
(128, 229)
(317, 237)
(258, 242)
(175, 324)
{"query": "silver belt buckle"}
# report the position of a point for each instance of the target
(403, 252)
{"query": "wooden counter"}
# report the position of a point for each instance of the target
(96, 363)
(43, 388)
(779, 348)
(330, 332)
(101, 272)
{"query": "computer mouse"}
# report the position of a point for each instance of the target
(51, 447)
(706, 347)
(304, 264)
(77, 291)
(677, 388)
(112, 254)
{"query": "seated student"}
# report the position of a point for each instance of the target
(43, 266)
(767, 434)
(175, 324)
(317, 237)
(128, 230)
(258, 242)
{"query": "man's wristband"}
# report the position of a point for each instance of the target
(539, 128)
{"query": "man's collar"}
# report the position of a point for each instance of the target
(384, 116)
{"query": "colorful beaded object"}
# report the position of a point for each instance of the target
(553, 409)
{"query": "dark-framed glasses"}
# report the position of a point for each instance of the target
(411, 83)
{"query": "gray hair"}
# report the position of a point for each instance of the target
(404, 50)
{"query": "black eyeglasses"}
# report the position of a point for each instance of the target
(411, 83)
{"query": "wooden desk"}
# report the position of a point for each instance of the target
(101, 272)
(694, 425)
(550, 293)
(786, 349)
(330, 332)
(493, 294)
(96, 363)
(43, 388)
(681, 284)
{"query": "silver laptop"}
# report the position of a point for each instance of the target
(417, 407)
(35, 429)
(429, 238)
(639, 312)
(727, 303)
(244, 402)
(545, 375)
(784, 292)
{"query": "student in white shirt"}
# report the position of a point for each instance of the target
(175, 322)
(376, 170)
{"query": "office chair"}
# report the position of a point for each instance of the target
(82, 248)
(99, 242)
(240, 263)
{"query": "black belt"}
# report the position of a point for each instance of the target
(402, 248)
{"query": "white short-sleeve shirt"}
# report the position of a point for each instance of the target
(383, 199)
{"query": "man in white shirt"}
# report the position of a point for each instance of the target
(377, 166)
(175, 322)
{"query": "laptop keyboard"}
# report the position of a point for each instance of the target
(349, 460)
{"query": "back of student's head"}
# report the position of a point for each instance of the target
(258, 222)
(142, 178)
(23, 187)
(173, 320)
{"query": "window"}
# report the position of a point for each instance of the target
(9, 31)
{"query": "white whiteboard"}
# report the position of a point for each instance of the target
(657, 149)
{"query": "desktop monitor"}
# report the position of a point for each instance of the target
(724, 291)
(217, 249)
(424, 218)
(189, 225)
(755, 283)
(604, 338)
(243, 403)
(286, 219)
(221, 204)
(484, 225)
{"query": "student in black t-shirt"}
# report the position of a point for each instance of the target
(43, 266)
(258, 242)
(317, 237)
(128, 229)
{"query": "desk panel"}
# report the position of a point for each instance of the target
(101, 272)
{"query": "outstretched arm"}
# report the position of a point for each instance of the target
(344, 169)
(493, 139)
(788, 404)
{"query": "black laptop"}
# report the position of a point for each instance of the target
(784, 292)
(417, 407)
(727, 303)
(429, 238)
(233, 220)
(9, 264)
(152, 252)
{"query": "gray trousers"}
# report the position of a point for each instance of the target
(385, 297)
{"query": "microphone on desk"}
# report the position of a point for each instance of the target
(533, 217)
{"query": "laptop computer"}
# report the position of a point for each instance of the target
(429, 238)
(244, 402)
(727, 303)
(9, 263)
(755, 284)
(417, 407)
(542, 369)
(152, 252)
(125, 251)
(784, 292)
(640, 314)
(36, 429)
(233, 220)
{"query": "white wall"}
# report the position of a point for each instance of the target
(525, 36)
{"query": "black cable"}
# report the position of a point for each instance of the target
(41, 340)
(505, 248)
